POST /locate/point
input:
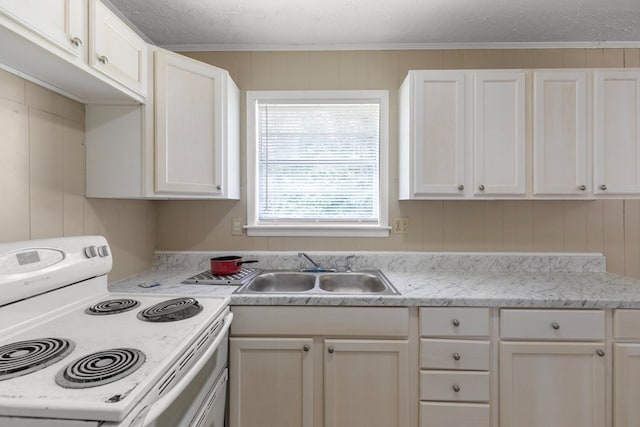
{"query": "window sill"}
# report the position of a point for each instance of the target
(318, 230)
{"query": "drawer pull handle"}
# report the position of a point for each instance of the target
(460, 187)
(456, 356)
(555, 325)
(455, 322)
(306, 347)
(600, 352)
(331, 350)
(456, 388)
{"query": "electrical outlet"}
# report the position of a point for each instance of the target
(236, 227)
(401, 225)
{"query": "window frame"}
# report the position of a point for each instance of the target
(317, 229)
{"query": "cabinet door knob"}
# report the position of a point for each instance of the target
(603, 187)
(481, 187)
(582, 187)
(456, 388)
(555, 325)
(460, 187)
(600, 352)
(455, 322)
(331, 350)
(218, 187)
(456, 356)
(103, 60)
(306, 347)
(76, 41)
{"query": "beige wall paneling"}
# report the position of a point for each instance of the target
(12, 87)
(548, 225)
(14, 170)
(632, 57)
(46, 158)
(494, 225)
(575, 225)
(613, 235)
(73, 178)
(632, 238)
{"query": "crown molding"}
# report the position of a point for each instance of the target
(204, 47)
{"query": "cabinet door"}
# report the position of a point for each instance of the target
(271, 382)
(626, 387)
(617, 132)
(560, 131)
(499, 133)
(552, 384)
(116, 50)
(61, 22)
(189, 149)
(439, 133)
(366, 383)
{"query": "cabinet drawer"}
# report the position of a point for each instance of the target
(454, 322)
(626, 324)
(584, 325)
(442, 385)
(454, 354)
(328, 321)
(444, 414)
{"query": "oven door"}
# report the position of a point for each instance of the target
(202, 391)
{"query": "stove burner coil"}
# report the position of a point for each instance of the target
(171, 310)
(102, 367)
(23, 357)
(112, 306)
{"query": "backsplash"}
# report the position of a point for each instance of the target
(401, 262)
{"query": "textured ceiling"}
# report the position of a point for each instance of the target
(325, 23)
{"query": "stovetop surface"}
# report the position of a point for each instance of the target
(53, 316)
(208, 278)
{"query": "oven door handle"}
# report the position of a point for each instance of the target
(165, 401)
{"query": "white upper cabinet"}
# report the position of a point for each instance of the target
(499, 133)
(432, 111)
(61, 22)
(462, 134)
(182, 144)
(617, 133)
(196, 113)
(77, 48)
(560, 133)
(115, 49)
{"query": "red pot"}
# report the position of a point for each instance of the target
(223, 265)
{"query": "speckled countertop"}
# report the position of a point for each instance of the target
(425, 279)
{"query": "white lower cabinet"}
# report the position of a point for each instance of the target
(319, 380)
(271, 382)
(555, 380)
(455, 367)
(626, 368)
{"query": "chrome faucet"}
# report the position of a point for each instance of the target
(317, 266)
(347, 261)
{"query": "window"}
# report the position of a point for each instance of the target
(317, 163)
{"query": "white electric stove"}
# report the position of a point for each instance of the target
(73, 354)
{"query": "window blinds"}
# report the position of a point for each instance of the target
(318, 161)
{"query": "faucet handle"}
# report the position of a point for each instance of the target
(347, 262)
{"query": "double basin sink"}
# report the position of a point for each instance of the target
(349, 282)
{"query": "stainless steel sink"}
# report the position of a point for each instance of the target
(352, 283)
(356, 282)
(282, 282)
